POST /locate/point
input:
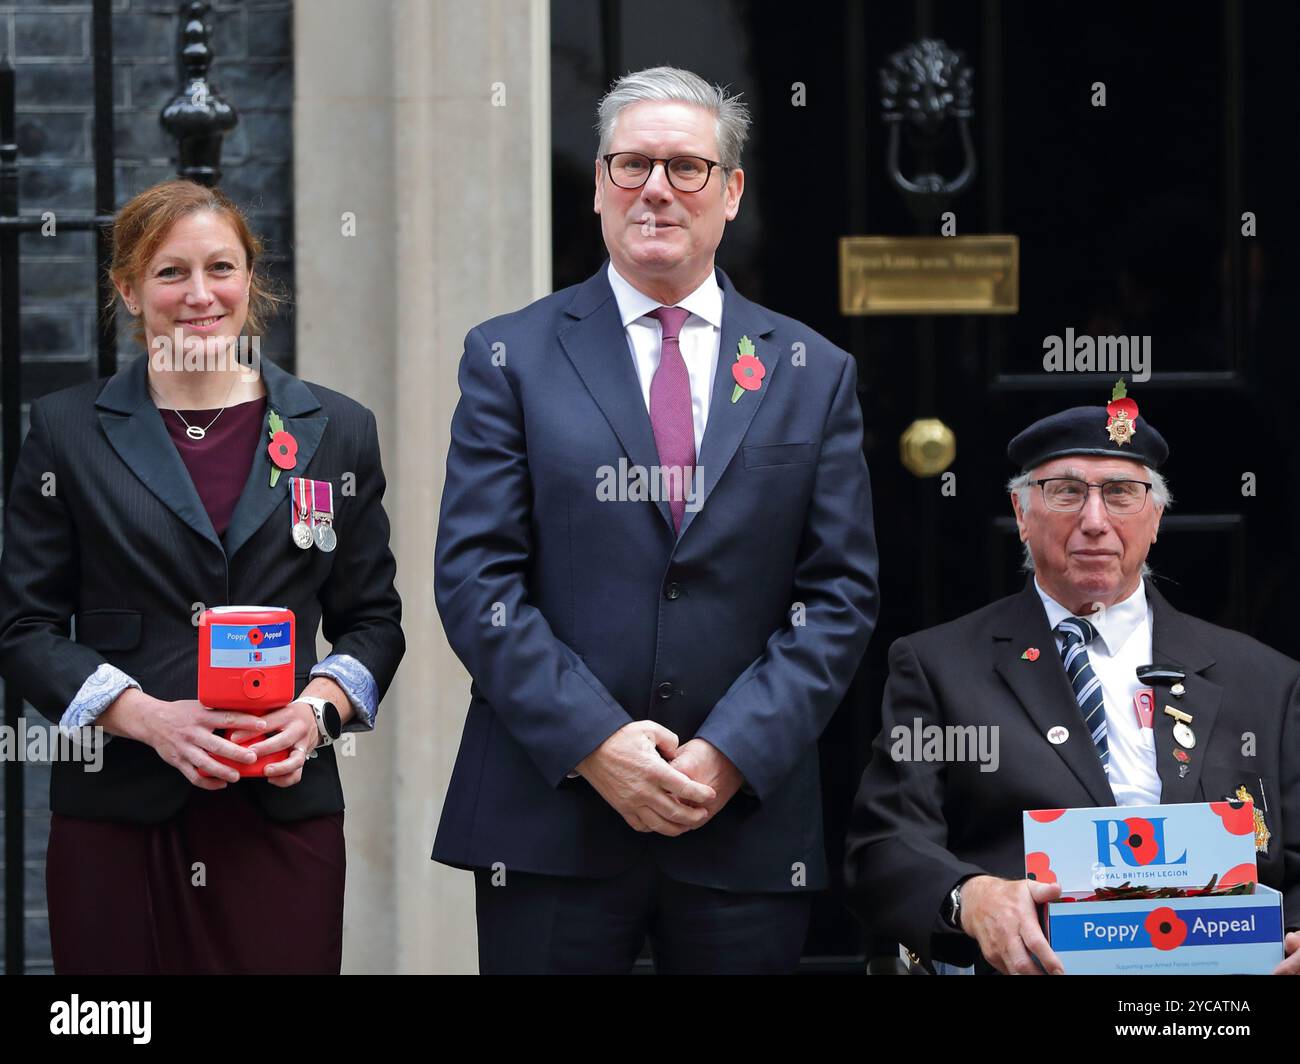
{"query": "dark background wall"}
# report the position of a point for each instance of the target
(49, 46)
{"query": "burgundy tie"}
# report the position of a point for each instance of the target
(670, 410)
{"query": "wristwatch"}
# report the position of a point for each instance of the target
(329, 725)
(950, 910)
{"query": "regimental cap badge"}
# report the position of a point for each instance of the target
(1123, 414)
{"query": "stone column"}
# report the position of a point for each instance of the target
(422, 198)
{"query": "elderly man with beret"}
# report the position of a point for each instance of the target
(934, 857)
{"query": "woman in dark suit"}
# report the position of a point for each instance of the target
(137, 502)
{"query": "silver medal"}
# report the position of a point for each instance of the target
(326, 539)
(301, 530)
(1184, 736)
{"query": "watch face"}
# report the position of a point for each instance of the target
(333, 723)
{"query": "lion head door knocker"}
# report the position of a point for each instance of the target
(922, 87)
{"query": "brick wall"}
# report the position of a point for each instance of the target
(49, 45)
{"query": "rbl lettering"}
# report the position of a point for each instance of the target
(1137, 840)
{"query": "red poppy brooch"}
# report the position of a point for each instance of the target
(283, 448)
(747, 369)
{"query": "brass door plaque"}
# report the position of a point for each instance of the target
(929, 275)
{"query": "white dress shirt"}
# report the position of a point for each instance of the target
(698, 340)
(1123, 644)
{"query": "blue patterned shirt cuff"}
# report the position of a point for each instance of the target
(95, 695)
(360, 686)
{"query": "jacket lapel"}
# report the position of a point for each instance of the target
(1044, 690)
(728, 422)
(596, 344)
(292, 400)
(1174, 643)
(135, 429)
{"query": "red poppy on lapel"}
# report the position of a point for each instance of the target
(747, 369)
(283, 448)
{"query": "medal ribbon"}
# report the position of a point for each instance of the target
(302, 506)
(323, 497)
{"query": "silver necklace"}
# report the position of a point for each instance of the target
(197, 432)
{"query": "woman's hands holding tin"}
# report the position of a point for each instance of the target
(184, 734)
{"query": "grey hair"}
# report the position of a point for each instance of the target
(730, 115)
(1019, 486)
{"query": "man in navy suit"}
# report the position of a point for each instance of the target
(656, 559)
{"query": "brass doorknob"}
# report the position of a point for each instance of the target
(927, 447)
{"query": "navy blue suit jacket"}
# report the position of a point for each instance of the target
(575, 616)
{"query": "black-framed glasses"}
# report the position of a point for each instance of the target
(1068, 494)
(686, 173)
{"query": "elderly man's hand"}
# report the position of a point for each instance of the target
(1000, 915)
(628, 770)
(705, 763)
(1290, 966)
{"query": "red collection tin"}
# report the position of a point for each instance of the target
(246, 665)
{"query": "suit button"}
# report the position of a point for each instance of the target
(665, 691)
(672, 591)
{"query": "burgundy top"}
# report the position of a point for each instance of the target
(219, 462)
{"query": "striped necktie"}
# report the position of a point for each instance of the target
(1076, 634)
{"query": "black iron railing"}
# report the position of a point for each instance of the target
(198, 118)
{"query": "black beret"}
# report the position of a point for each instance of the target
(1088, 430)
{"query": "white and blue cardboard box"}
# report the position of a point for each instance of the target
(1155, 846)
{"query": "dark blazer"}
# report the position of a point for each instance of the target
(124, 546)
(918, 827)
(606, 616)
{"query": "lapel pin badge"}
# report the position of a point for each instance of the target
(1183, 734)
(1056, 736)
(1030, 654)
(1144, 704)
(1121, 424)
